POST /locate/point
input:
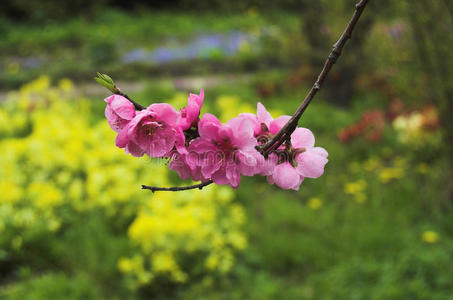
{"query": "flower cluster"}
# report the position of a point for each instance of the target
(205, 149)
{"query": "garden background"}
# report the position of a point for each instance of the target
(378, 224)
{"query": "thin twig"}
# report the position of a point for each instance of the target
(177, 188)
(291, 125)
(285, 132)
(136, 105)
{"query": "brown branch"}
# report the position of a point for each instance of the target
(136, 105)
(177, 188)
(285, 132)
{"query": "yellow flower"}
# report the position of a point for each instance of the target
(143, 227)
(66, 85)
(39, 85)
(212, 261)
(125, 265)
(11, 192)
(314, 203)
(129, 265)
(355, 187)
(163, 262)
(388, 174)
(429, 236)
(238, 240)
(45, 195)
(230, 107)
(179, 100)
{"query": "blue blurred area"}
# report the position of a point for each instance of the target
(199, 47)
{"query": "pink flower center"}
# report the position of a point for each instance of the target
(289, 154)
(151, 128)
(225, 145)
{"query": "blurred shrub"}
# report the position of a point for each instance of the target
(65, 187)
(52, 9)
(55, 286)
(46, 10)
(203, 225)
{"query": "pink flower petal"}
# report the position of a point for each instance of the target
(270, 179)
(278, 123)
(180, 142)
(197, 99)
(253, 119)
(220, 177)
(197, 176)
(178, 163)
(233, 176)
(119, 111)
(110, 98)
(123, 107)
(249, 162)
(162, 142)
(109, 113)
(134, 149)
(122, 139)
(191, 112)
(267, 165)
(302, 137)
(286, 177)
(211, 162)
(209, 126)
(164, 112)
(320, 151)
(132, 127)
(242, 132)
(263, 115)
(310, 163)
(201, 145)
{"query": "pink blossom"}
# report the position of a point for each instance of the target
(190, 113)
(119, 111)
(285, 176)
(221, 152)
(178, 163)
(264, 127)
(224, 152)
(304, 160)
(263, 123)
(154, 131)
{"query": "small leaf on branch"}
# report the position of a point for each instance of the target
(106, 81)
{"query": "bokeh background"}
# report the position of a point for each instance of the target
(378, 224)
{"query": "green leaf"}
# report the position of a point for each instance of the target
(106, 81)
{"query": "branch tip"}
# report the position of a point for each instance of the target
(291, 125)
